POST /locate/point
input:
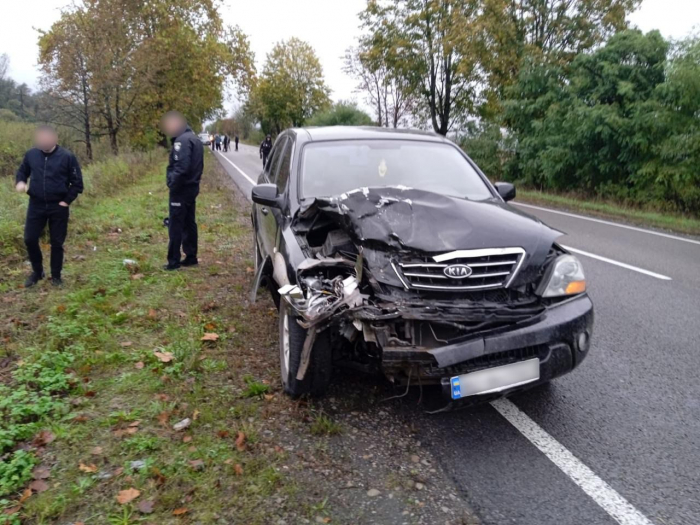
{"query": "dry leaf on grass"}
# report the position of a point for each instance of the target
(41, 473)
(164, 357)
(152, 314)
(238, 469)
(137, 276)
(210, 336)
(180, 512)
(96, 451)
(126, 344)
(187, 439)
(43, 438)
(128, 495)
(145, 507)
(240, 441)
(26, 494)
(139, 365)
(87, 468)
(39, 485)
(195, 414)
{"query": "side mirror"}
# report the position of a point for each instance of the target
(266, 194)
(506, 190)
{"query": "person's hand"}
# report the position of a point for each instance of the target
(21, 187)
(64, 204)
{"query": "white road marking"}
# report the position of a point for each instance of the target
(618, 263)
(602, 493)
(237, 169)
(609, 223)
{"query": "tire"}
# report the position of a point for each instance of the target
(320, 369)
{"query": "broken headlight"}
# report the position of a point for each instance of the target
(565, 277)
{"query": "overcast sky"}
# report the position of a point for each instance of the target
(330, 26)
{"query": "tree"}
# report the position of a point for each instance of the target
(118, 66)
(389, 94)
(341, 114)
(554, 30)
(430, 45)
(291, 87)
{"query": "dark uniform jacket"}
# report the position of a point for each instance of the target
(265, 147)
(186, 165)
(53, 177)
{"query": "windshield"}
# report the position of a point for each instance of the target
(333, 168)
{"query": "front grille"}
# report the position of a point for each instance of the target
(471, 270)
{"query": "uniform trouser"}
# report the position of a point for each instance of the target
(265, 154)
(236, 146)
(40, 213)
(182, 229)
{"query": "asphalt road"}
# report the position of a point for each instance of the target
(629, 416)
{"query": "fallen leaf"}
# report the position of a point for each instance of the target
(90, 393)
(197, 464)
(12, 510)
(118, 471)
(135, 423)
(209, 326)
(137, 276)
(87, 468)
(210, 336)
(41, 473)
(152, 314)
(187, 439)
(128, 495)
(240, 441)
(163, 418)
(195, 415)
(139, 365)
(164, 357)
(145, 507)
(238, 469)
(82, 418)
(39, 485)
(162, 397)
(61, 308)
(96, 451)
(223, 434)
(26, 494)
(180, 512)
(126, 344)
(250, 269)
(43, 438)
(228, 461)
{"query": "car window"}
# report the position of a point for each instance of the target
(274, 160)
(333, 168)
(285, 166)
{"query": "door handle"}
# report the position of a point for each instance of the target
(264, 211)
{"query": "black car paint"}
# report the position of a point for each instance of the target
(275, 226)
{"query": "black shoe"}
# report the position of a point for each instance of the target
(56, 281)
(33, 279)
(171, 267)
(189, 262)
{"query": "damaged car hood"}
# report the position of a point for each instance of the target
(411, 219)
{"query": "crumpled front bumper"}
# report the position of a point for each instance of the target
(560, 338)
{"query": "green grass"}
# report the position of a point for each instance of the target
(654, 219)
(80, 363)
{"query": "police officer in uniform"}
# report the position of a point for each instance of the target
(265, 148)
(184, 174)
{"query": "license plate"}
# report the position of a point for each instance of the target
(495, 379)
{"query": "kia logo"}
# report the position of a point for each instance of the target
(457, 271)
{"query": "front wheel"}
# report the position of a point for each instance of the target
(318, 373)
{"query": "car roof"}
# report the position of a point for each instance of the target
(312, 134)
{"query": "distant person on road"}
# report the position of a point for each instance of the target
(184, 174)
(265, 148)
(235, 140)
(218, 143)
(211, 142)
(227, 141)
(55, 181)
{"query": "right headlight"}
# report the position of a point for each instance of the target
(566, 277)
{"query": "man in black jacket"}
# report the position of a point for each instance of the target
(265, 148)
(183, 177)
(55, 181)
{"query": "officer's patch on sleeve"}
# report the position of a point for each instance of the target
(177, 146)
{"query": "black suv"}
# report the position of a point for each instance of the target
(391, 251)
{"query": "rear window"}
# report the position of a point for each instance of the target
(333, 168)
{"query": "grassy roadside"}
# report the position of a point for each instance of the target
(664, 221)
(96, 376)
